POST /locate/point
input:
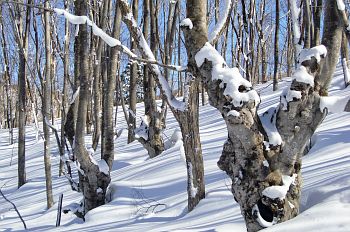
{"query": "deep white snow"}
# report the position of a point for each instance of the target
(150, 194)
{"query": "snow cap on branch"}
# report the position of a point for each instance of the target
(186, 23)
(236, 87)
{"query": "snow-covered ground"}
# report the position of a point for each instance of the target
(150, 194)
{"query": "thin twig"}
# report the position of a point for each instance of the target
(14, 206)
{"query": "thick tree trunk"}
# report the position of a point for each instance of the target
(258, 168)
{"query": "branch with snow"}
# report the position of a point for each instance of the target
(146, 52)
(222, 23)
(268, 121)
(112, 42)
(235, 86)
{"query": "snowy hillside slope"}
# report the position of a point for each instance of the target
(150, 194)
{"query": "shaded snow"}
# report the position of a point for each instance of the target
(325, 204)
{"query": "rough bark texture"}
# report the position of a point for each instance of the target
(245, 153)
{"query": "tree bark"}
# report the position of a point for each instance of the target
(133, 84)
(332, 36)
(46, 108)
(108, 132)
(276, 52)
(92, 182)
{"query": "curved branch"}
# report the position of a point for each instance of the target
(222, 24)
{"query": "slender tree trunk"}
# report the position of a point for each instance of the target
(276, 52)
(108, 131)
(97, 79)
(23, 43)
(307, 23)
(317, 23)
(133, 84)
(64, 94)
(46, 107)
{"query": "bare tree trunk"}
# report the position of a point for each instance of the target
(133, 85)
(188, 117)
(22, 41)
(64, 93)
(97, 79)
(307, 23)
(108, 131)
(317, 23)
(46, 110)
(332, 34)
(7, 83)
(93, 182)
(257, 168)
(276, 53)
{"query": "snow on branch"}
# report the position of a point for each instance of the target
(186, 23)
(221, 24)
(112, 42)
(146, 52)
(318, 52)
(77, 20)
(295, 14)
(341, 5)
(235, 86)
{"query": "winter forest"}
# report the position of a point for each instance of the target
(174, 115)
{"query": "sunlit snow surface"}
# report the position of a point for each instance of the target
(139, 182)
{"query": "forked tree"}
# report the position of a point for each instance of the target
(262, 155)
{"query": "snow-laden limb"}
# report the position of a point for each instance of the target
(334, 104)
(341, 5)
(301, 75)
(277, 191)
(186, 23)
(77, 20)
(289, 95)
(148, 54)
(234, 113)
(236, 87)
(268, 121)
(318, 52)
(220, 26)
